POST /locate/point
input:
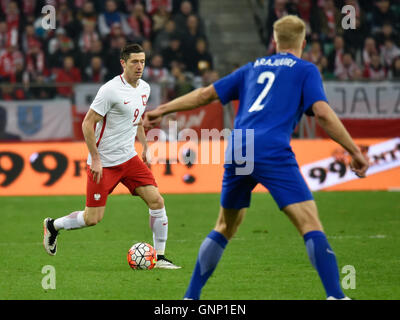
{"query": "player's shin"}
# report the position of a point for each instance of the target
(210, 253)
(75, 220)
(323, 260)
(159, 225)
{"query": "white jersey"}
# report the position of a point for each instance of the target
(121, 106)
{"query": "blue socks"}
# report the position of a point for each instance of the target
(210, 253)
(319, 251)
(323, 260)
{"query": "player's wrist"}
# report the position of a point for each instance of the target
(355, 151)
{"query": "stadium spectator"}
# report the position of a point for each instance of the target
(186, 10)
(182, 83)
(382, 13)
(8, 36)
(112, 62)
(54, 43)
(13, 18)
(66, 20)
(348, 70)
(173, 53)
(96, 50)
(387, 32)
(328, 21)
(95, 72)
(335, 58)
(110, 16)
(394, 72)
(389, 51)
(158, 76)
(42, 89)
(201, 60)
(147, 47)
(208, 77)
(41, 32)
(152, 6)
(87, 12)
(3, 34)
(111, 40)
(64, 47)
(68, 75)
(8, 60)
(276, 11)
(139, 23)
(160, 18)
(128, 5)
(29, 8)
(28, 37)
(164, 36)
(354, 38)
(21, 80)
(305, 10)
(369, 49)
(8, 92)
(88, 36)
(189, 38)
(36, 61)
(176, 5)
(315, 53)
(375, 70)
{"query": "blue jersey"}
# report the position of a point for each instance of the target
(273, 94)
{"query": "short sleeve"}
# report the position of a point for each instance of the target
(228, 87)
(313, 89)
(102, 102)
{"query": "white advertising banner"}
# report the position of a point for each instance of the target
(32, 120)
(364, 100)
(331, 171)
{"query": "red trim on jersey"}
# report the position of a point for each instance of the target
(122, 79)
(102, 130)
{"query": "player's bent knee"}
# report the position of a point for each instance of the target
(156, 203)
(93, 216)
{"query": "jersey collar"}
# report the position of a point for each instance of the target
(126, 83)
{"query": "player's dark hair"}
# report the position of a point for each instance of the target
(130, 48)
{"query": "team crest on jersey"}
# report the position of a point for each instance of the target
(30, 119)
(144, 100)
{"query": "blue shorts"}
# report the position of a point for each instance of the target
(284, 182)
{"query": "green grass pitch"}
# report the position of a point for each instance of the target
(266, 259)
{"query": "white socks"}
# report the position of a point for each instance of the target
(159, 226)
(158, 223)
(75, 220)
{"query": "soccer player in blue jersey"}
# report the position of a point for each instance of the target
(273, 92)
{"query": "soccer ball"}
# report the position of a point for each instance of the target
(142, 256)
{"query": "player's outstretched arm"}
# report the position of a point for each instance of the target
(88, 126)
(191, 100)
(332, 125)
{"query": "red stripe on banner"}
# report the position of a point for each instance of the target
(102, 130)
(368, 128)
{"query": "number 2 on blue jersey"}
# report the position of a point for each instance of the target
(270, 77)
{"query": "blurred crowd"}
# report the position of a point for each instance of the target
(371, 51)
(84, 46)
(86, 42)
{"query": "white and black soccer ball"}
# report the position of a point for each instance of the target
(142, 256)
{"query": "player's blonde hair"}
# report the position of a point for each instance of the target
(289, 32)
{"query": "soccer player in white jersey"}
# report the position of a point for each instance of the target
(110, 127)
